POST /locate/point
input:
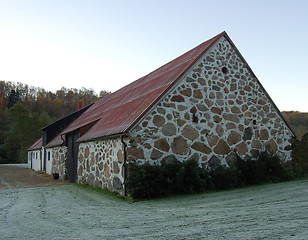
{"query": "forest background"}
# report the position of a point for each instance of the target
(25, 109)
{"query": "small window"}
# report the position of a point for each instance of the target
(195, 118)
(224, 70)
(48, 156)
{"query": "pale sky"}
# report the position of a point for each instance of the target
(105, 45)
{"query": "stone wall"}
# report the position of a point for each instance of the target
(59, 155)
(100, 164)
(217, 111)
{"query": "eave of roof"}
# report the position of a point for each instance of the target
(37, 145)
(66, 117)
(55, 142)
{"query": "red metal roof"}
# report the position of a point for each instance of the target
(119, 111)
(37, 145)
(56, 141)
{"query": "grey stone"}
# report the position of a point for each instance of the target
(117, 184)
(179, 146)
(202, 107)
(116, 168)
(214, 162)
(170, 159)
(182, 108)
(247, 134)
(232, 158)
(90, 180)
(169, 129)
(231, 117)
(194, 157)
(190, 133)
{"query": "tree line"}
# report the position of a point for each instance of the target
(298, 122)
(25, 109)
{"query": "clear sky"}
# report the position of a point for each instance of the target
(105, 45)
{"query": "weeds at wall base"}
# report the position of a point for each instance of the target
(100, 190)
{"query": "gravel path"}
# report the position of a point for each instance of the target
(18, 176)
(274, 211)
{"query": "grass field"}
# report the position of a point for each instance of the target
(272, 211)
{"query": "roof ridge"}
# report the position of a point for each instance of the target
(121, 110)
(173, 82)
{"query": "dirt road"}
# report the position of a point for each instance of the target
(17, 176)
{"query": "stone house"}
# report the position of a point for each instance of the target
(206, 104)
(51, 148)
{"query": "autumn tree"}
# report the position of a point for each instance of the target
(24, 109)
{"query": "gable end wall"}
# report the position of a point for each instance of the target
(232, 114)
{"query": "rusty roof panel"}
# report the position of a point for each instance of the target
(55, 142)
(118, 112)
(37, 145)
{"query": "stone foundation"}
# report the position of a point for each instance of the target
(217, 111)
(101, 164)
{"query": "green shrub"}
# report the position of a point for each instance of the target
(270, 167)
(189, 178)
(266, 168)
(249, 171)
(170, 172)
(144, 181)
(151, 181)
(224, 178)
(169, 178)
